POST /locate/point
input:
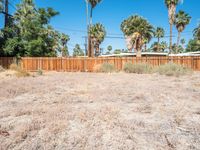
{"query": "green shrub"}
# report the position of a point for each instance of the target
(140, 68)
(107, 68)
(172, 69)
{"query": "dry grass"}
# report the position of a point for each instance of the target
(19, 72)
(105, 68)
(99, 111)
(139, 68)
(172, 69)
(1, 69)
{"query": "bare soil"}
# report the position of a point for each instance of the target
(66, 111)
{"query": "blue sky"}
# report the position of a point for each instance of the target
(72, 18)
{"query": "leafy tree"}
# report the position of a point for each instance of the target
(182, 19)
(77, 51)
(171, 5)
(97, 34)
(117, 51)
(138, 30)
(197, 32)
(64, 40)
(109, 48)
(162, 46)
(31, 34)
(182, 43)
(193, 45)
(177, 49)
(159, 33)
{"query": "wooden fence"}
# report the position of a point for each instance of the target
(5, 62)
(88, 64)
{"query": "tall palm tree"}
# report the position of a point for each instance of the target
(137, 29)
(181, 20)
(171, 5)
(93, 4)
(197, 32)
(87, 21)
(159, 33)
(97, 34)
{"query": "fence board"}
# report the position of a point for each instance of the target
(5, 62)
(88, 64)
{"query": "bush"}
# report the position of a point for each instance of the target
(1, 69)
(40, 72)
(140, 68)
(172, 69)
(107, 68)
(19, 72)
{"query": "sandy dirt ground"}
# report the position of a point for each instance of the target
(80, 111)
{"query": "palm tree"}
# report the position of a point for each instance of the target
(171, 5)
(93, 4)
(197, 32)
(159, 33)
(97, 33)
(181, 20)
(87, 21)
(137, 29)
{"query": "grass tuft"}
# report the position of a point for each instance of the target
(40, 72)
(19, 71)
(106, 68)
(140, 68)
(14, 67)
(172, 69)
(2, 69)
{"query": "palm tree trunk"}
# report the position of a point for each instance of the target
(90, 46)
(87, 21)
(138, 47)
(170, 40)
(91, 13)
(158, 46)
(178, 41)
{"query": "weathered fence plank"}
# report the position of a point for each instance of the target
(5, 62)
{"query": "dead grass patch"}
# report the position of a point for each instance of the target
(105, 68)
(172, 69)
(1, 69)
(139, 68)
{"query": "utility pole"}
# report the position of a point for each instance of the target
(6, 13)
